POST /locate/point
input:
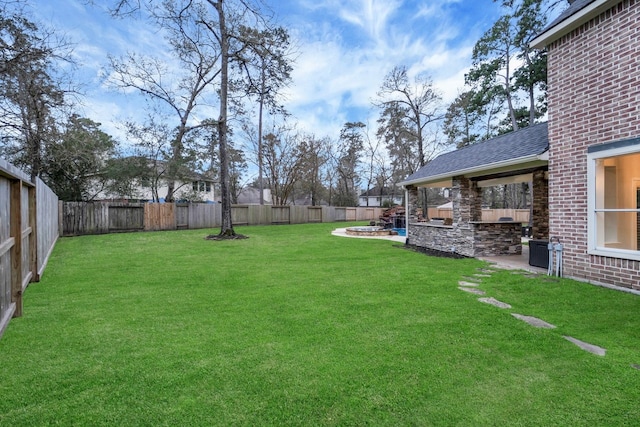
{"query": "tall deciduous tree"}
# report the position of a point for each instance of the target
(283, 158)
(220, 26)
(419, 101)
(267, 67)
(314, 156)
(181, 90)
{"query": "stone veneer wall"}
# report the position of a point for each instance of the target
(441, 238)
(478, 239)
(467, 236)
(497, 238)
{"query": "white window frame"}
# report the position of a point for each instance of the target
(592, 211)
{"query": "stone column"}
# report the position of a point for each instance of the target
(463, 198)
(475, 201)
(540, 206)
(412, 202)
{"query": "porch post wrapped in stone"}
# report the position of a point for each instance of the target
(466, 200)
(540, 206)
(412, 203)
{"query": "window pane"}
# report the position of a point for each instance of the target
(617, 182)
(618, 230)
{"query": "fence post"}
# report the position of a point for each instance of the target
(33, 241)
(16, 251)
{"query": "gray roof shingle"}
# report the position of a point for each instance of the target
(524, 143)
(575, 7)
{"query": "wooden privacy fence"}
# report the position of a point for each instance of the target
(79, 218)
(28, 232)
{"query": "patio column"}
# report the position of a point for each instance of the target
(466, 200)
(540, 206)
(412, 203)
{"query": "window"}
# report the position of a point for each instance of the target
(614, 199)
(201, 186)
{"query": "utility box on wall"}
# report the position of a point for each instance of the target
(539, 253)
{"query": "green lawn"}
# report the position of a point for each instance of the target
(294, 326)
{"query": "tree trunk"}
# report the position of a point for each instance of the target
(260, 184)
(226, 228)
(507, 86)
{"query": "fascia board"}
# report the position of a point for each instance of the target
(571, 23)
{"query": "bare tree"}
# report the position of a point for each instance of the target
(283, 157)
(315, 154)
(183, 89)
(418, 100)
(218, 25)
(267, 69)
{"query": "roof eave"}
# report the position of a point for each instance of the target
(571, 23)
(532, 160)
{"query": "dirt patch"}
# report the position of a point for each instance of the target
(226, 237)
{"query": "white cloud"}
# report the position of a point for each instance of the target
(346, 47)
(336, 81)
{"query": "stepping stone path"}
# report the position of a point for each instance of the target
(494, 302)
(472, 287)
(586, 346)
(472, 290)
(533, 321)
(468, 284)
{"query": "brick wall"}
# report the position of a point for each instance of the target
(594, 97)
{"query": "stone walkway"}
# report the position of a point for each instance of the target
(472, 285)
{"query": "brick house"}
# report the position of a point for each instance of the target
(588, 194)
(594, 139)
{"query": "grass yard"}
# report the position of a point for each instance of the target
(294, 326)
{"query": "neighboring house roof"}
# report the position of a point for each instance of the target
(386, 191)
(578, 12)
(509, 150)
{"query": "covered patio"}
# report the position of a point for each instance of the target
(517, 157)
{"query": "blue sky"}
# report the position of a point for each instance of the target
(345, 48)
